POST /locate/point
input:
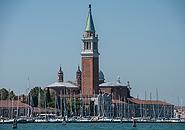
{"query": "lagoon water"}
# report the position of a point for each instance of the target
(95, 126)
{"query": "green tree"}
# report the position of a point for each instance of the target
(51, 104)
(5, 94)
(52, 95)
(78, 107)
(12, 95)
(48, 98)
(35, 95)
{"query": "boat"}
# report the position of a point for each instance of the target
(6, 121)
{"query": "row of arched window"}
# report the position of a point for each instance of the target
(87, 45)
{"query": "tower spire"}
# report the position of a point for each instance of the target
(89, 24)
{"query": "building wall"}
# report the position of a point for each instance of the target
(12, 112)
(120, 92)
(117, 91)
(90, 75)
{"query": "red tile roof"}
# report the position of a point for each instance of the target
(5, 103)
(117, 101)
(138, 101)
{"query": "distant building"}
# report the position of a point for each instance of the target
(117, 89)
(23, 98)
(150, 108)
(179, 111)
(66, 88)
(9, 109)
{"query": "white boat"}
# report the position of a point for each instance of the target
(104, 119)
(175, 120)
(55, 120)
(47, 118)
(41, 120)
(7, 120)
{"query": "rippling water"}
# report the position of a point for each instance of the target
(95, 126)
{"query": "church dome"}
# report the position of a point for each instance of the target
(101, 75)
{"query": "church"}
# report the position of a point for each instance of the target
(110, 98)
(90, 79)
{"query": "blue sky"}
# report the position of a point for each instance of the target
(140, 41)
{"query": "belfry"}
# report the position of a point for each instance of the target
(60, 75)
(90, 58)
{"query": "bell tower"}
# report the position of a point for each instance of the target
(90, 58)
(60, 75)
(78, 77)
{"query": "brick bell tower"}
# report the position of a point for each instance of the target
(60, 75)
(78, 77)
(90, 58)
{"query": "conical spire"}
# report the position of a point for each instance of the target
(90, 24)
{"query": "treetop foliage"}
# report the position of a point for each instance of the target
(5, 94)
